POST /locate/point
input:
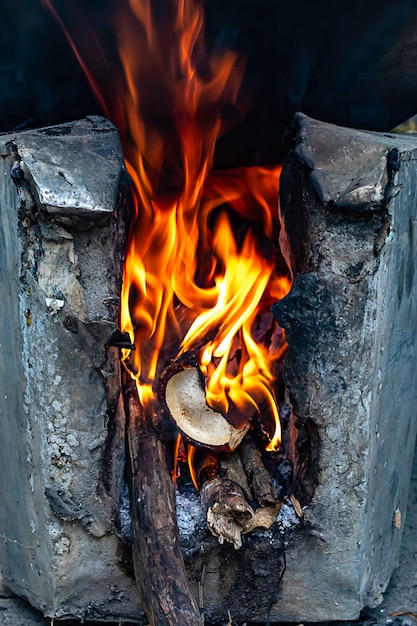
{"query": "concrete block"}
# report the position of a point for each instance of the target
(62, 235)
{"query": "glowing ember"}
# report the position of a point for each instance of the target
(190, 282)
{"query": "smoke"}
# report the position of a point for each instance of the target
(341, 63)
(40, 81)
(349, 63)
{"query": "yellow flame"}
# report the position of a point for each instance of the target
(188, 280)
(191, 450)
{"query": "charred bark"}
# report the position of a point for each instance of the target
(258, 476)
(158, 562)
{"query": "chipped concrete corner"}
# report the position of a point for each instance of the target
(351, 365)
(61, 246)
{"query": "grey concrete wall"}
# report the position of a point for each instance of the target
(393, 411)
(61, 246)
(351, 367)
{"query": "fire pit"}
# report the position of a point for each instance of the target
(348, 429)
(207, 375)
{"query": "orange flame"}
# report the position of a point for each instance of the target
(188, 280)
(175, 469)
(190, 459)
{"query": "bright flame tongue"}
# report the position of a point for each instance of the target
(240, 290)
(187, 281)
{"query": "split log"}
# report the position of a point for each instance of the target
(158, 562)
(228, 512)
(229, 515)
(182, 392)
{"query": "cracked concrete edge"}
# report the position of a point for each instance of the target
(401, 595)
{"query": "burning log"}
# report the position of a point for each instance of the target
(182, 392)
(259, 478)
(225, 490)
(158, 562)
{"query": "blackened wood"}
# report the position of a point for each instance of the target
(158, 562)
(231, 467)
(258, 476)
(206, 466)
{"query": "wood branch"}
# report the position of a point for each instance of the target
(158, 562)
(258, 476)
(230, 466)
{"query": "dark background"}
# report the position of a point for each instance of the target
(352, 63)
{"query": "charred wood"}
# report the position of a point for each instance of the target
(158, 562)
(206, 467)
(259, 478)
(232, 468)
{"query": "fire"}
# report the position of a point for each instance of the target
(190, 459)
(240, 289)
(193, 280)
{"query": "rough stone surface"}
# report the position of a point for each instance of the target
(62, 164)
(61, 246)
(351, 365)
(350, 371)
(400, 596)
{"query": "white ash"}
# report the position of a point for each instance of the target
(190, 514)
(191, 518)
(287, 518)
(125, 519)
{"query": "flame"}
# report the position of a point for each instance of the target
(240, 289)
(179, 448)
(190, 459)
(188, 279)
(175, 469)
